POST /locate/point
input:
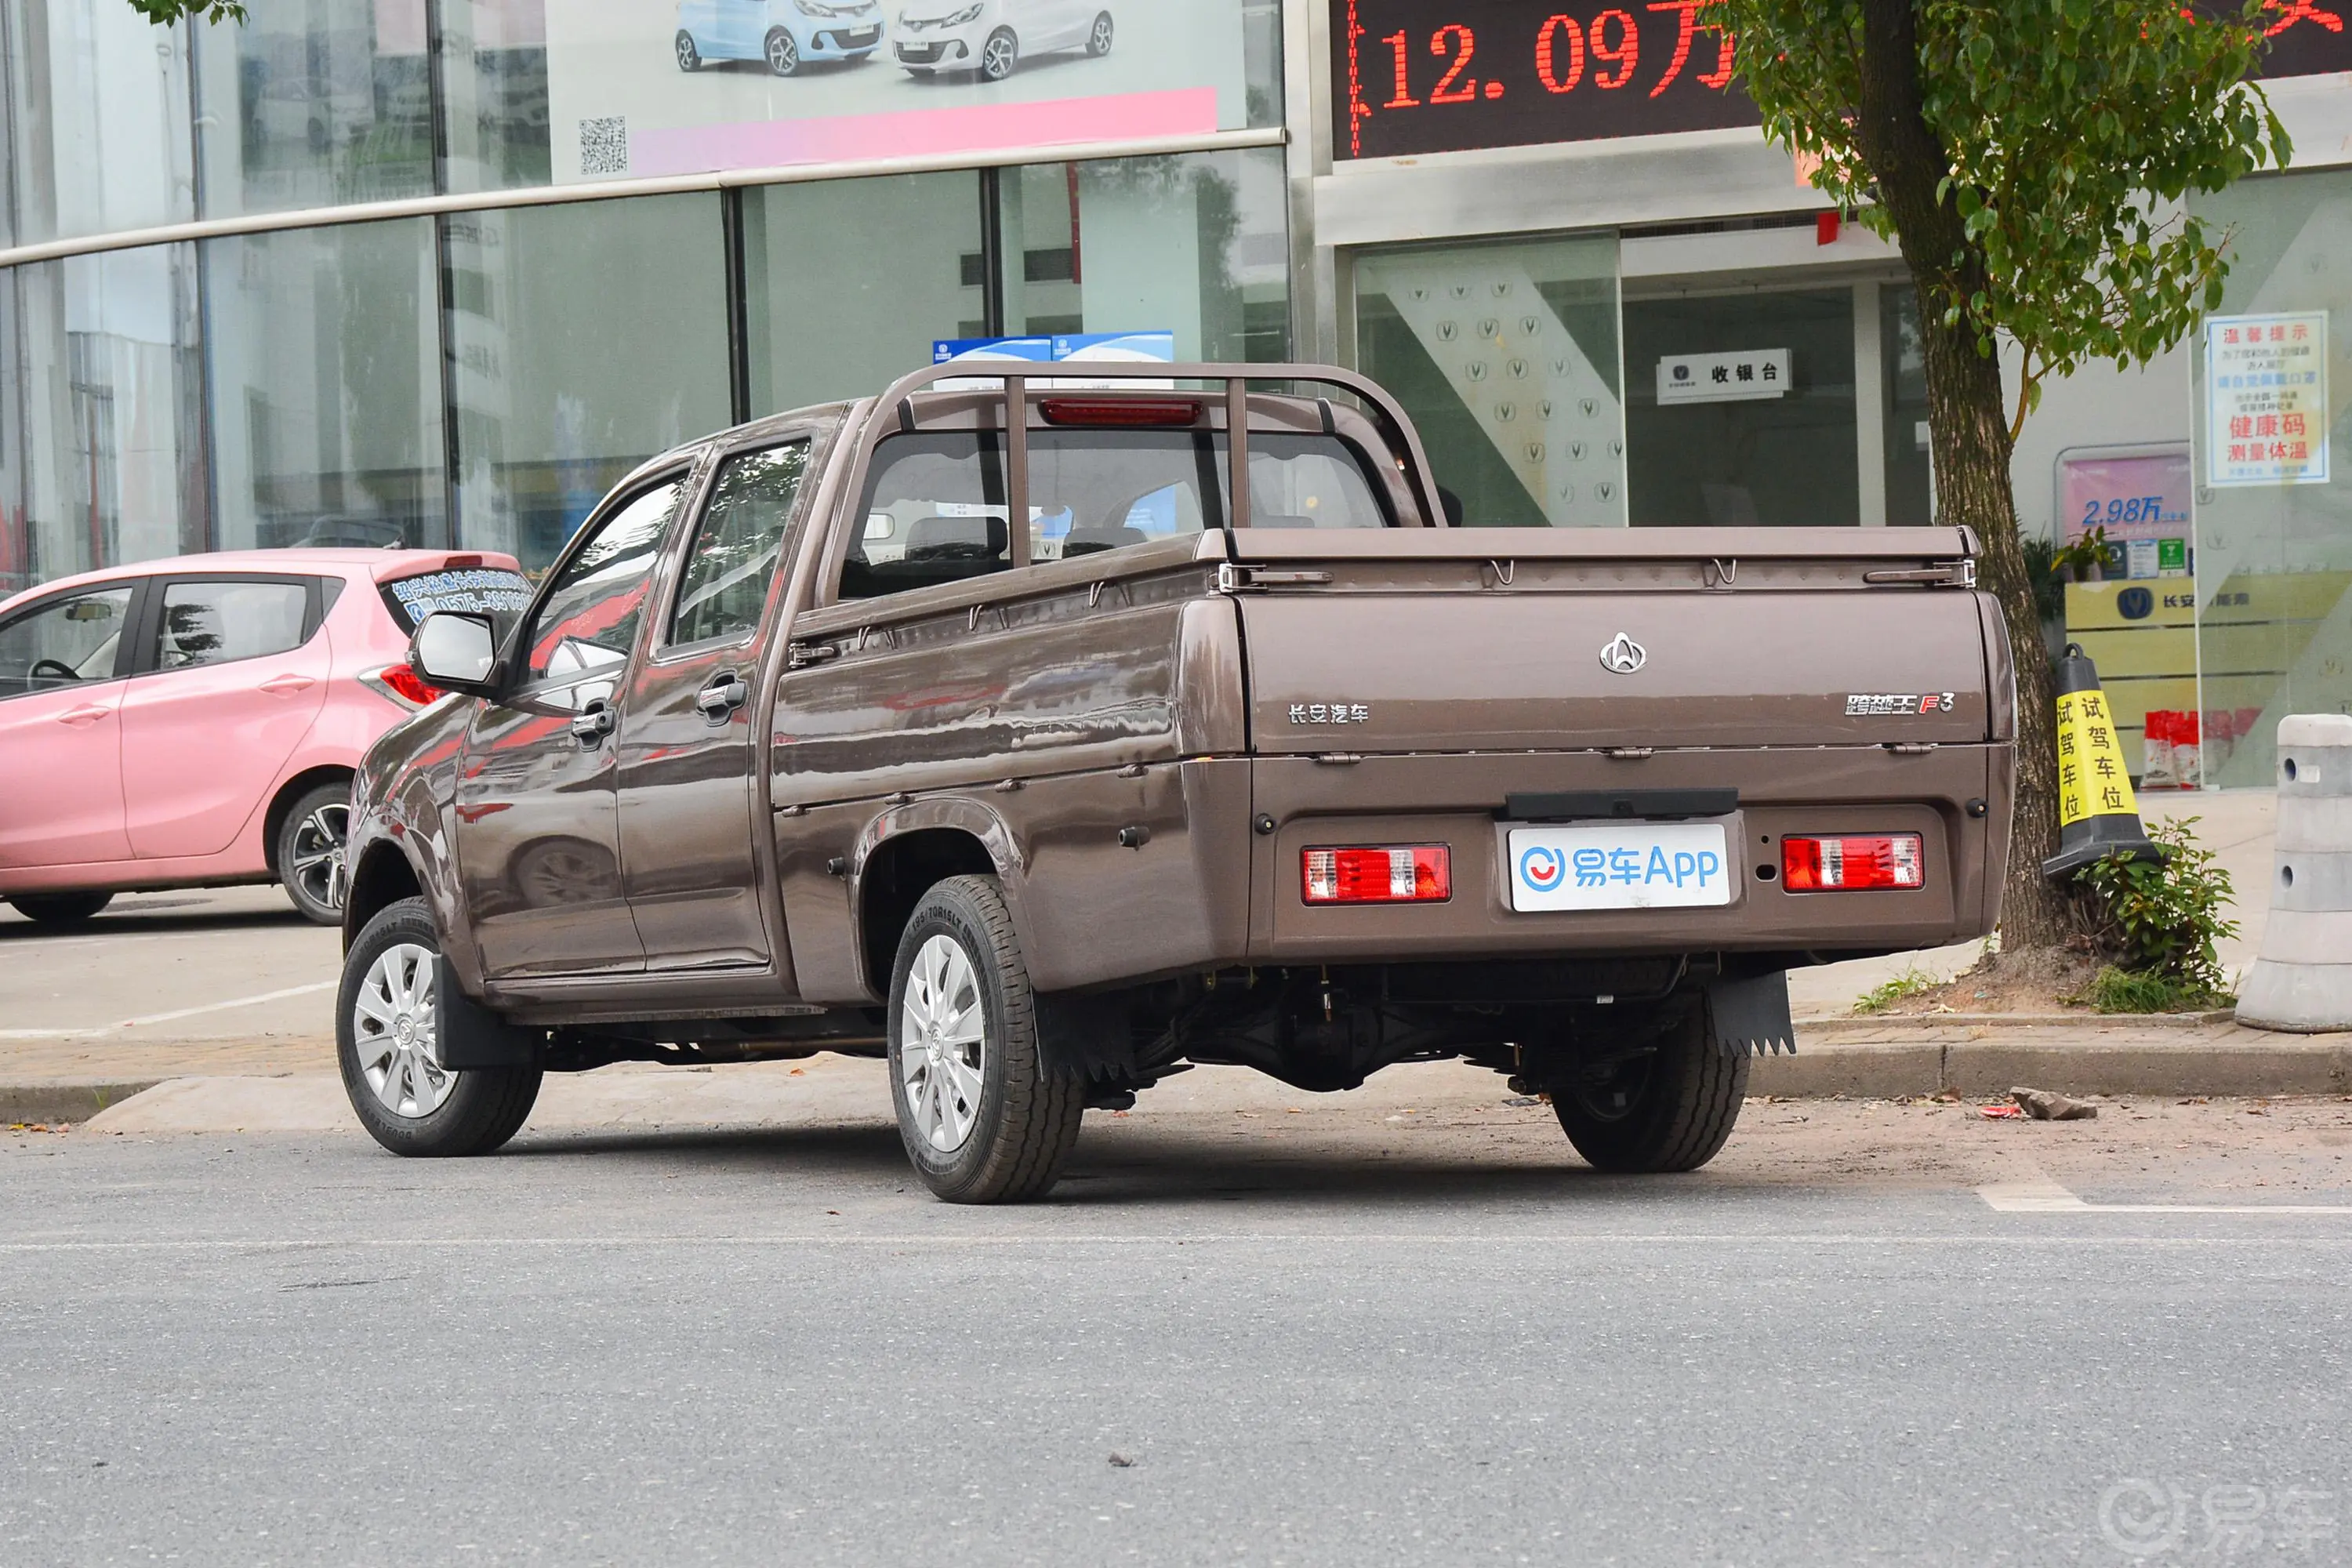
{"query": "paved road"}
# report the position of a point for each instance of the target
(1404, 1326)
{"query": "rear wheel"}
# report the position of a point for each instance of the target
(689, 58)
(61, 912)
(386, 1045)
(783, 55)
(311, 863)
(1100, 36)
(981, 1122)
(1669, 1109)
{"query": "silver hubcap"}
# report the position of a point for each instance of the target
(997, 55)
(1102, 35)
(318, 869)
(393, 1025)
(942, 1044)
(783, 55)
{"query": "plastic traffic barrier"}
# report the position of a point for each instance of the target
(2302, 984)
(2097, 813)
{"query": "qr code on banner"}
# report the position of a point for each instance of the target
(605, 146)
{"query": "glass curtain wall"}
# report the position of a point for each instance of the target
(325, 371)
(848, 283)
(1195, 244)
(2274, 553)
(108, 443)
(1506, 357)
(583, 340)
(102, 133)
(314, 103)
(494, 80)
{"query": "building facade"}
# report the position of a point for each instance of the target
(375, 271)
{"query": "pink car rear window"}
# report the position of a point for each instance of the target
(483, 590)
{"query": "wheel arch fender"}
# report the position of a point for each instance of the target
(907, 849)
(294, 788)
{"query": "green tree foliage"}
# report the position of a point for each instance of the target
(163, 12)
(2030, 157)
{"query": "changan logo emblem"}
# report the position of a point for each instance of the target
(1624, 656)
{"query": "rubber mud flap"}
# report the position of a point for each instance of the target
(1750, 1017)
(1085, 1037)
(469, 1036)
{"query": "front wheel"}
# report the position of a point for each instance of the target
(1001, 56)
(385, 1044)
(783, 55)
(310, 861)
(981, 1122)
(1667, 1108)
(61, 912)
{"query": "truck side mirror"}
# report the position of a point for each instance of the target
(456, 651)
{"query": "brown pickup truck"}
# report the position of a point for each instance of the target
(1049, 737)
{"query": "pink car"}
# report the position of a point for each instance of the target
(196, 722)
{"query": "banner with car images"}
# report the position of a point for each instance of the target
(697, 85)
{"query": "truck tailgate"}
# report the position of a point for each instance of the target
(1491, 639)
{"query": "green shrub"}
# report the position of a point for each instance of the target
(2158, 924)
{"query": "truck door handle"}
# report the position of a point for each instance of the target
(591, 728)
(718, 700)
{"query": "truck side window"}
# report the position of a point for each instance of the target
(934, 512)
(589, 621)
(723, 591)
(1092, 491)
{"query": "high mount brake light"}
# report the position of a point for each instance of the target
(405, 684)
(1852, 862)
(1410, 874)
(1120, 411)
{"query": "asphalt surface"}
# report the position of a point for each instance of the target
(1404, 1326)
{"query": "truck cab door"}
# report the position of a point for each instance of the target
(538, 819)
(692, 803)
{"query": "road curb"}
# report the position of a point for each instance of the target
(2084, 1020)
(56, 1102)
(1903, 1070)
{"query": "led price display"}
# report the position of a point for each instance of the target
(1437, 75)
(1441, 76)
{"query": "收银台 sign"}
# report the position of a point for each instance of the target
(1742, 377)
(2266, 399)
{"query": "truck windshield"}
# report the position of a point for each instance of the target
(935, 503)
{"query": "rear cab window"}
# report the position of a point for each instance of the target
(935, 507)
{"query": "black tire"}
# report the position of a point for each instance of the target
(1100, 36)
(1670, 1110)
(1000, 57)
(478, 1111)
(689, 58)
(308, 854)
(61, 912)
(1024, 1123)
(781, 52)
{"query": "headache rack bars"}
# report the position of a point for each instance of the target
(1082, 380)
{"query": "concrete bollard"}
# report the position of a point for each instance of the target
(2302, 984)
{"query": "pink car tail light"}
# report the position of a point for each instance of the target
(1416, 874)
(1852, 863)
(403, 684)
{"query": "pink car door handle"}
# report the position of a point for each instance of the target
(288, 684)
(82, 718)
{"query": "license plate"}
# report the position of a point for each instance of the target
(1620, 866)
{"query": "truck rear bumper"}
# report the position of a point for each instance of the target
(1458, 801)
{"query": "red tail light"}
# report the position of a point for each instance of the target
(1416, 874)
(1852, 862)
(1124, 411)
(405, 684)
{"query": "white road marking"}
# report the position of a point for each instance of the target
(171, 1017)
(2040, 1195)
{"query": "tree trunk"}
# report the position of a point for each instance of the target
(1968, 422)
(1969, 435)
